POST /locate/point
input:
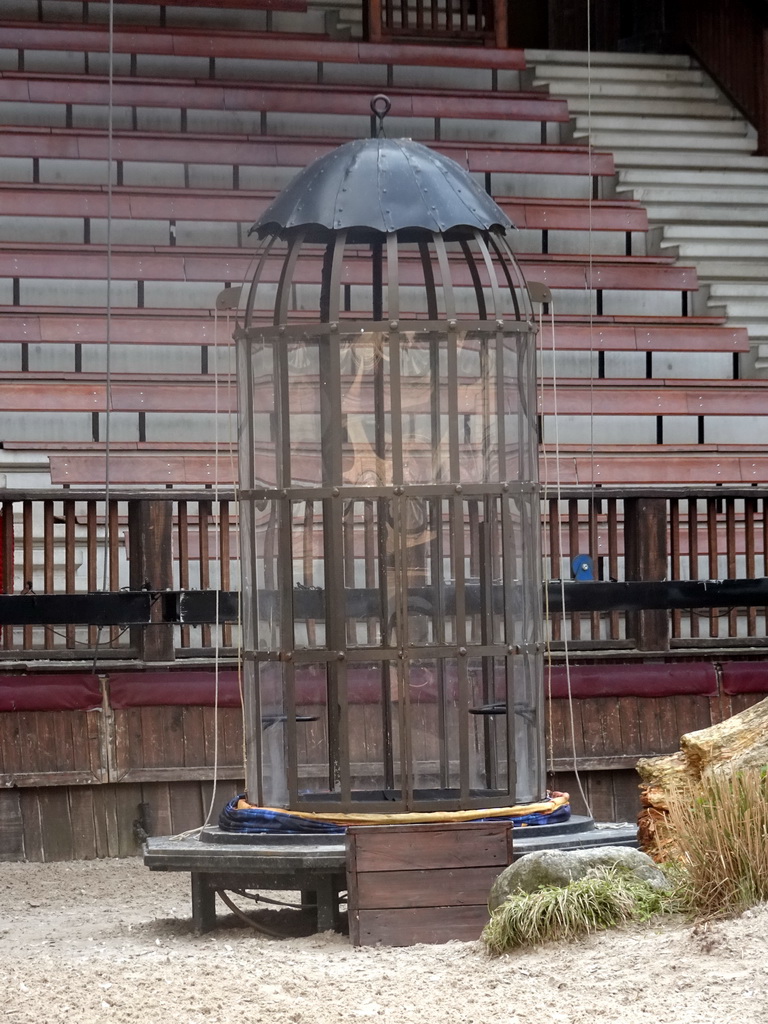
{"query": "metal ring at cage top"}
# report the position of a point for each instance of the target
(380, 107)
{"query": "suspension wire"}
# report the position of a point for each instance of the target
(197, 832)
(108, 367)
(558, 496)
(108, 313)
(547, 552)
(590, 263)
(222, 556)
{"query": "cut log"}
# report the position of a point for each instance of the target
(663, 771)
(736, 743)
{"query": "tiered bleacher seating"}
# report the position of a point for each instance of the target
(207, 124)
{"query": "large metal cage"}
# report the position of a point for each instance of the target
(389, 498)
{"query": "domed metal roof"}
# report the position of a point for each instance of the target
(382, 185)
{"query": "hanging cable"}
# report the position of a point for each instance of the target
(590, 264)
(547, 554)
(222, 555)
(196, 832)
(108, 539)
(558, 497)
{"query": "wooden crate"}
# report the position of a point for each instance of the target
(423, 883)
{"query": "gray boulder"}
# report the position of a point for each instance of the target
(559, 867)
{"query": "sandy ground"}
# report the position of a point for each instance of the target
(110, 941)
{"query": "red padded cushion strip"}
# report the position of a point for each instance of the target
(68, 692)
(150, 689)
(745, 677)
(137, 689)
(636, 680)
(73, 692)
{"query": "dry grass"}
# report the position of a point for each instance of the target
(720, 827)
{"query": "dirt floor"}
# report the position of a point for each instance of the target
(110, 941)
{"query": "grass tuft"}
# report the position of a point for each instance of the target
(719, 825)
(600, 900)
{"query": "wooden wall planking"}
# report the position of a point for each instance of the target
(72, 783)
(11, 826)
(49, 823)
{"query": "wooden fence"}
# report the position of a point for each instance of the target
(105, 736)
(89, 764)
(77, 543)
(456, 21)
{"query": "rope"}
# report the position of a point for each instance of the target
(222, 554)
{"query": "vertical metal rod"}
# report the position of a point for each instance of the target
(438, 582)
(377, 305)
(398, 581)
(675, 555)
(333, 549)
(712, 557)
(573, 550)
(113, 533)
(288, 672)
(283, 556)
(371, 582)
(28, 560)
(461, 646)
(693, 555)
(92, 535)
(384, 513)
(224, 570)
(182, 526)
(48, 564)
(730, 553)
(348, 521)
(7, 564)
(486, 638)
(69, 561)
(750, 569)
(613, 559)
(203, 520)
(556, 562)
(283, 473)
(487, 417)
(593, 506)
(308, 563)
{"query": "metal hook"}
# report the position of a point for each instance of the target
(380, 107)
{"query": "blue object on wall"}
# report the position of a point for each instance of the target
(583, 567)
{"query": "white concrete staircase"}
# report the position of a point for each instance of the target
(683, 151)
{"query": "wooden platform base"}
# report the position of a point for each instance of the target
(423, 883)
(316, 870)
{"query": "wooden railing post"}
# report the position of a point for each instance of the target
(645, 553)
(762, 94)
(372, 28)
(500, 29)
(730, 38)
(150, 527)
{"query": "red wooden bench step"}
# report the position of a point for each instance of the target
(190, 42)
